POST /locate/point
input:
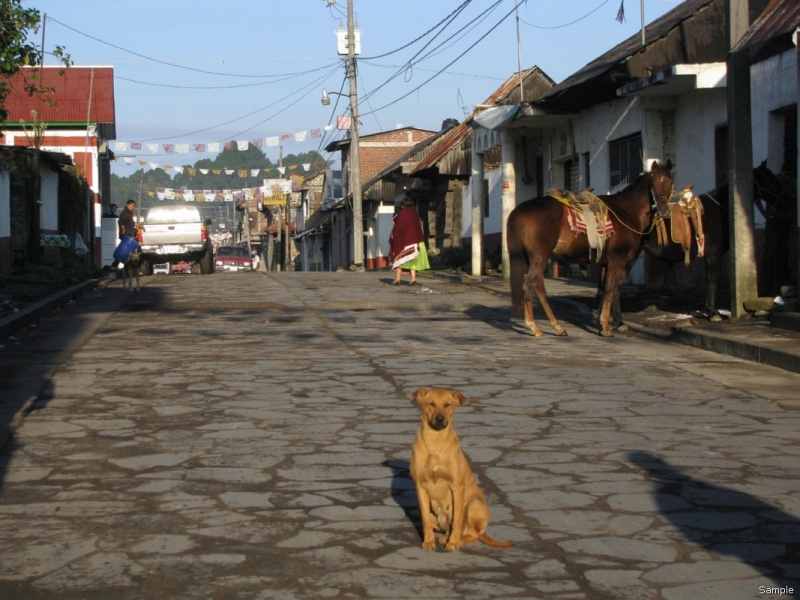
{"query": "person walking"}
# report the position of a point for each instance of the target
(127, 227)
(407, 251)
(126, 221)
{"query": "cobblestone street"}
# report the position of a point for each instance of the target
(248, 436)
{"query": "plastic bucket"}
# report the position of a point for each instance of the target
(123, 251)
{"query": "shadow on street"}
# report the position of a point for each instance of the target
(725, 521)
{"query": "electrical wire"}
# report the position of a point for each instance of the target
(567, 24)
(169, 64)
(459, 57)
(404, 69)
(316, 82)
(414, 41)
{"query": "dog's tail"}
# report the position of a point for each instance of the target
(489, 541)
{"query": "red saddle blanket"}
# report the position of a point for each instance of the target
(577, 222)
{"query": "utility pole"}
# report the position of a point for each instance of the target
(355, 155)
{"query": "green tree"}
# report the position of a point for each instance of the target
(17, 51)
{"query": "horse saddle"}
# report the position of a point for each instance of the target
(685, 215)
(586, 213)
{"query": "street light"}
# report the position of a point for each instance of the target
(325, 99)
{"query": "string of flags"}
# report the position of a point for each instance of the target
(342, 123)
(273, 192)
(238, 172)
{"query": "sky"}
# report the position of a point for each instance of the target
(204, 71)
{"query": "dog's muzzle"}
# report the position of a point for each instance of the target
(438, 422)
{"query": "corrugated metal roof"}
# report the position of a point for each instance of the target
(779, 20)
(694, 32)
(72, 102)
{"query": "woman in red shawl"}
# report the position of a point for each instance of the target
(407, 250)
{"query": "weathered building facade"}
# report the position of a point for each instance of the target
(76, 118)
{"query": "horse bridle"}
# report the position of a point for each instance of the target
(776, 209)
(653, 206)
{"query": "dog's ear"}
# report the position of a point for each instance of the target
(459, 397)
(419, 394)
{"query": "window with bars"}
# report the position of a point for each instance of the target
(625, 160)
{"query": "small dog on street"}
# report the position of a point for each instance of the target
(449, 499)
(130, 271)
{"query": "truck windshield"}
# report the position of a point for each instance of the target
(178, 214)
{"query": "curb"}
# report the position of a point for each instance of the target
(738, 349)
(22, 318)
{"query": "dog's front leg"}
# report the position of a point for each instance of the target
(457, 526)
(428, 539)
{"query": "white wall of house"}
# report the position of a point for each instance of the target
(383, 229)
(592, 130)
(492, 223)
(698, 115)
(48, 213)
(773, 85)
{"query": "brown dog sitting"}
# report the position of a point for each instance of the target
(449, 499)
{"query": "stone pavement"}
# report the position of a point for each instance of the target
(775, 343)
(248, 436)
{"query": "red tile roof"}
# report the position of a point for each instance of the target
(71, 95)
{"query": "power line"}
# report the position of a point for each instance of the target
(472, 24)
(316, 82)
(511, 12)
(169, 64)
(566, 24)
(414, 41)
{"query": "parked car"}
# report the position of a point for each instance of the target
(233, 258)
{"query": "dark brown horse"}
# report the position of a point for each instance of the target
(538, 229)
(715, 231)
(777, 203)
(773, 200)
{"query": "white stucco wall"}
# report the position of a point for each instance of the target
(48, 214)
(493, 223)
(594, 129)
(697, 115)
(773, 85)
(384, 229)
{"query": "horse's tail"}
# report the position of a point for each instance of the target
(519, 261)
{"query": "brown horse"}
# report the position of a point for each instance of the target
(715, 231)
(538, 229)
(777, 203)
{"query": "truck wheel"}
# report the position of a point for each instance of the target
(207, 262)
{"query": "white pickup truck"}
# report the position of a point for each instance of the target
(175, 233)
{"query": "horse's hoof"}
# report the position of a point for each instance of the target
(537, 332)
(606, 333)
(561, 332)
(715, 319)
(621, 327)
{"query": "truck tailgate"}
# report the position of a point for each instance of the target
(176, 233)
